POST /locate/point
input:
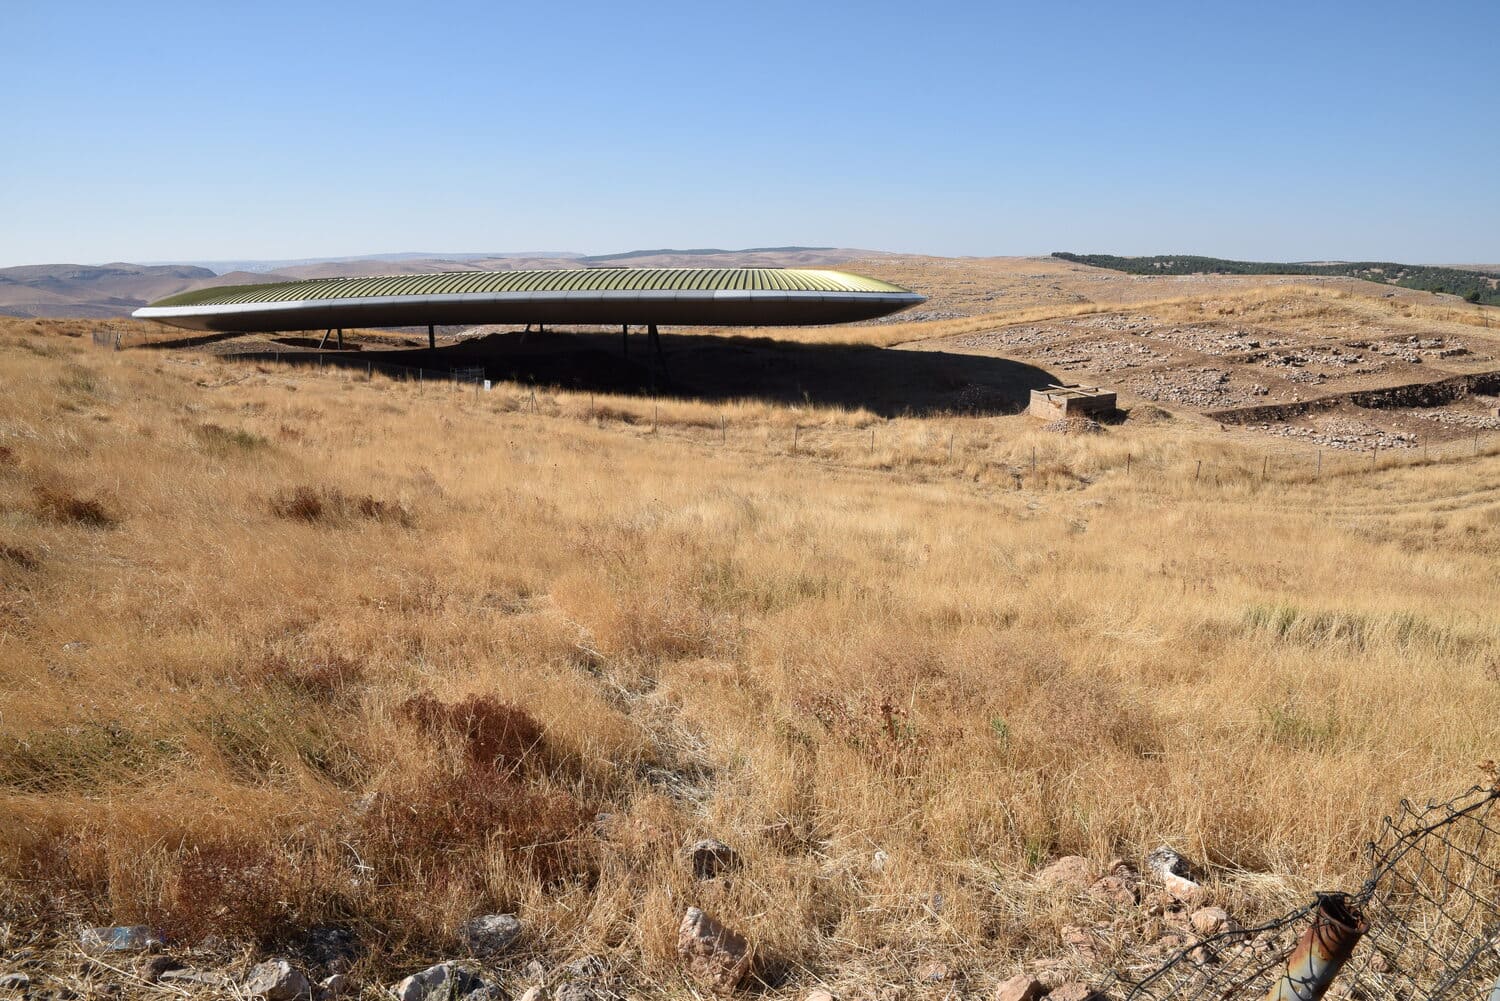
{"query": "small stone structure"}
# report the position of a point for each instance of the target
(1061, 402)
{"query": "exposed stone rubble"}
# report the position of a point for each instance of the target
(278, 980)
(439, 982)
(1175, 874)
(711, 858)
(490, 935)
(711, 952)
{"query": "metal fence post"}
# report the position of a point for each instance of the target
(1321, 951)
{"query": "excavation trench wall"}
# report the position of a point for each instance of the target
(1414, 394)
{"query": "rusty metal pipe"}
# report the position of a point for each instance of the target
(1321, 951)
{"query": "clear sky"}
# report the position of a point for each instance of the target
(151, 131)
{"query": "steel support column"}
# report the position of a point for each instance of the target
(431, 337)
(657, 357)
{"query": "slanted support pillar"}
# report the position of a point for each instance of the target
(431, 337)
(341, 338)
(657, 357)
(625, 340)
(324, 341)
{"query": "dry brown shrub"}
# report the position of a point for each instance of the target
(7, 456)
(881, 730)
(331, 506)
(61, 506)
(451, 818)
(231, 888)
(16, 556)
(490, 732)
(322, 677)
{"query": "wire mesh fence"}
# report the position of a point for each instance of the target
(1425, 925)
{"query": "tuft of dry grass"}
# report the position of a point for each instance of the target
(61, 506)
(331, 506)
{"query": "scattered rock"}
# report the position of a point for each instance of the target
(711, 951)
(536, 993)
(438, 983)
(120, 938)
(1081, 939)
(1019, 988)
(184, 975)
(152, 967)
(1052, 973)
(334, 986)
(1175, 873)
(490, 935)
(1069, 872)
(277, 980)
(334, 949)
(1075, 991)
(1115, 890)
(1170, 943)
(819, 994)
(535, 972)
(15, 982)
(1208, 921)
(711, 858)
(879, 860)
(587, 968)
(934, 973)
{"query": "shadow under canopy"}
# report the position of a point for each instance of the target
(888, 382)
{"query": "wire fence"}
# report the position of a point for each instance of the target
(1424, 926)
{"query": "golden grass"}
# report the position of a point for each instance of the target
(536, 651)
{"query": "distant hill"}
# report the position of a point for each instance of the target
(101, 290)
(1473, 285)
(118, 289)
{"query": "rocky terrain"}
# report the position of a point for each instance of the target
(1132, 917)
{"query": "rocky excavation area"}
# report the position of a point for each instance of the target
(1130, 919)
(1272, 369)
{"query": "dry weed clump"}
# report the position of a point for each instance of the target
(490, 732)
(221, 441)
(326, 677)
(17, 556)
(331, 506)
(59, 505)
(233, 888)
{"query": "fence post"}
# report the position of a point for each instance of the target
(1321, 951)
(1127, 463)
(723, 430)
(795, 431)
(1265, 467)
(1033, 460)
(1198, 471)
(1320, 462)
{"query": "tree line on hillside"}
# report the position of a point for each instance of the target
(1475, 286)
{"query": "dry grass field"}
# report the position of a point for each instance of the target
(283, 649)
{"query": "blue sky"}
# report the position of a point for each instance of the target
(1311, 130)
